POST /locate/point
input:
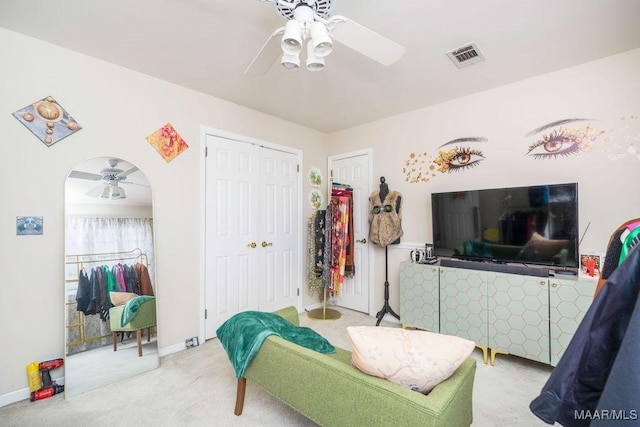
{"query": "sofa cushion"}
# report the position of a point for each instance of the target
(417, 360)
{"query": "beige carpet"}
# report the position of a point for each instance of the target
(197, 387)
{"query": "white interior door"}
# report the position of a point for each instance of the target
(252, 244)
(354, 169)
(232, 170)
(279, 230)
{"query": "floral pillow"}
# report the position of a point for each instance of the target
(417, 360)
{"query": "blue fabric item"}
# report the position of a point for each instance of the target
(622, 391)
(131, 308)
(607, 331)
(243, 334)
(478, 249)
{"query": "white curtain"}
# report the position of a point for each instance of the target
(86, 235)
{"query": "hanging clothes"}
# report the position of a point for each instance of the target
(385, 218)
(111, 287)
(339, 241)
(83, 293)
(341, 190)
(320, 243)
(613, 256)
(326, 261)
(146, 288)
(601, 359)
(314, 274)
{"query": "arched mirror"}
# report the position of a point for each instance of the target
(110, 315)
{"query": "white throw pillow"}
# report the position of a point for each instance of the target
(417, 360)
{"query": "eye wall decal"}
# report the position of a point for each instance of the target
(461, 156)
(563, 138)
(457, 156)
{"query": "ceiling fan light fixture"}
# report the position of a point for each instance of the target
(106, 193)
(117, 192)
(314, 62)
(290, 62)
(292, 38)
(320, 40)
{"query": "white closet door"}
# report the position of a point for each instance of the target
(232, 195)
(279, 230)
(252, 245)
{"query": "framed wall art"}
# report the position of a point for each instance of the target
(47, 120)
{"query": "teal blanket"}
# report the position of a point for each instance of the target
(243, 334)
(131, 308)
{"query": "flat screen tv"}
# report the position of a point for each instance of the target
(526, 225)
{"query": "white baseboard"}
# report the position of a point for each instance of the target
(14, 396)
(22, 394)
(164, 351)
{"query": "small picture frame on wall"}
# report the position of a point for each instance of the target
(591, 264)
(29, 225)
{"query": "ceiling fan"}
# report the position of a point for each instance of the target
(111, 178)
(309, 21)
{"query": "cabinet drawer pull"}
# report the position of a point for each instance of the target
(555, 285)
(542, 282)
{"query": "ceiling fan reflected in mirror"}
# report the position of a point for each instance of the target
(309, 22)
(111, 178)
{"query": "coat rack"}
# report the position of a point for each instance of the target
(324, 313)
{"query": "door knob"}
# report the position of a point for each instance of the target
(252, 245)
(364, 240)
(265, 244)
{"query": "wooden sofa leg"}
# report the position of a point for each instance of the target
(242, 388)
(139, 340)
(115, 340)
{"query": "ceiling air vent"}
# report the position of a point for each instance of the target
(466, 55)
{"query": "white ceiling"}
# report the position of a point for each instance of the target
(207, 44)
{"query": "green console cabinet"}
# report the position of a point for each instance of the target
(527, 316)
(420, 296)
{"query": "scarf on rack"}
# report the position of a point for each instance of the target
(326, 261)
(313, 278)
(339, 241)
(349, 266)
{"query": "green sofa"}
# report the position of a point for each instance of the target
(328, 390)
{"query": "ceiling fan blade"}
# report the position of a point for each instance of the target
(267, 56)
(134, 183)
(85, 175)
(365, 41)
(127, 172)
(95, 191)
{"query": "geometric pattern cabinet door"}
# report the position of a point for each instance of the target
(519, 315)
(463, 304)
(569, 302)
(419, 296)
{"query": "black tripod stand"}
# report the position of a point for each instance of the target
(386, 308)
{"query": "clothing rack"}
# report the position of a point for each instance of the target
(325, 313)
(81, 261)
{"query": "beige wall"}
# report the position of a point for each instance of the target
(117, 109)
(607, 91)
